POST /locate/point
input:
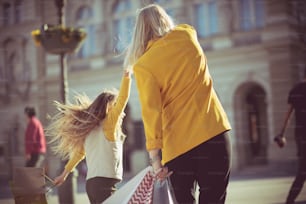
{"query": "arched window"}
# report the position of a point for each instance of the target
(84, 19)
(206, 18)
(251, 14)
(123, 22)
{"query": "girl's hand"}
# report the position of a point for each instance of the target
(127, 72)
(60, 179)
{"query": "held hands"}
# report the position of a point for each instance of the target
(127, 72)
(280, 140)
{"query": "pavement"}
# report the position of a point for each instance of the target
(254, 185)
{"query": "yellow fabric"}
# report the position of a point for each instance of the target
(74, 160)
(115, 115)
(109, 124)
(180, 108)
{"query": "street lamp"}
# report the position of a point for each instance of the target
(61, 40)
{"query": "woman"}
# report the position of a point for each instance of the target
(92, 130)
(183, 117)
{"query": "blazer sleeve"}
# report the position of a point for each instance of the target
(151, 106)
(113, 116)
(74, 160)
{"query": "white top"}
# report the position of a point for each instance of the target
(109, 154)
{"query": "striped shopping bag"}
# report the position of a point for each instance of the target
(138, 190)
(142, 189)
(144, 192)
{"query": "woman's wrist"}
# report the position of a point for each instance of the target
(154, 159)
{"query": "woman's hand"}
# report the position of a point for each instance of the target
(159, 170)
(162, 173)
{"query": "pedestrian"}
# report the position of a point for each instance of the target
(92, 130)
(35, 141)
(185, 124)
(297, 104)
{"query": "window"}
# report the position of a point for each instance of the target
(206, 18)
(123, 23)
(166, 6)
(7, 18)
(12, 12)
(251, 14)
(18, 11)
(162, 1)
(85, 20)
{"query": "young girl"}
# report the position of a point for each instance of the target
(92, 130)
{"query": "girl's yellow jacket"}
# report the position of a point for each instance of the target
(180, 108)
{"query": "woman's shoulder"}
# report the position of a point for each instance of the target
(184, 29)
(184, 26)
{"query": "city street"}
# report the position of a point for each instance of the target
(240, 191)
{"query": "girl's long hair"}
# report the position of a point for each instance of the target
(152, 22)
(72, 123)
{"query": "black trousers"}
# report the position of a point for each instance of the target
(300, 177)
(208, 165)
(37, 160)
(100, 188)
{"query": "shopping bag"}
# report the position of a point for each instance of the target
(138, 190)
(28, 185)
(162, 193)
(143, 189)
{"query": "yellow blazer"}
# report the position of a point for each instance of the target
(180, 108)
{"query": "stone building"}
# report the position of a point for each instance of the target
(254, 49)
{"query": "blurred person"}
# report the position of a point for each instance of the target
(92, 130)
(185, 124)
(35, 141)
(297, 104)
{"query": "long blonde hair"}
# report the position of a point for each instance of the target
(73, 122)
(152, 22)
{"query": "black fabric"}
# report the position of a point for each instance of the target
(207, 164)
(298, 182)
(100, 188)
(37, 160)
(297, 98)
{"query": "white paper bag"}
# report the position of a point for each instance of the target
(132, 189)
(143, 189)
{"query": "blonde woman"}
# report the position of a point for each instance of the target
(183, 117)
(92, 130)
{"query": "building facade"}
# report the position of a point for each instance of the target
(255, 51)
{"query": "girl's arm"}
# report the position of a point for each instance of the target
(122, 97)
(113, 116)
(72, 163)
